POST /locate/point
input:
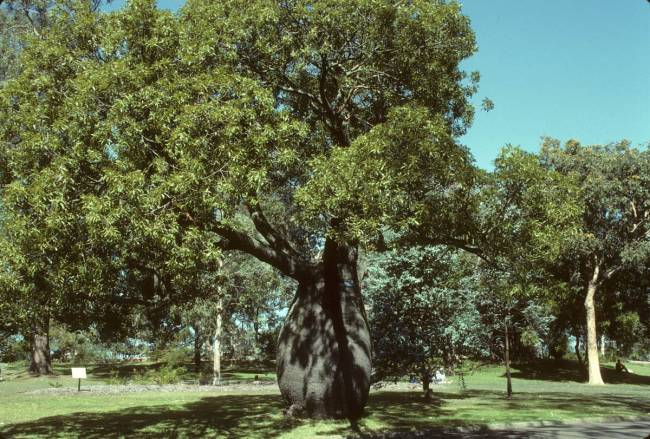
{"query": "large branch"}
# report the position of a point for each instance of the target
(334, 124)
(232, 239)
(462, 244)
(275, 238)
(26, 7)
(611, 272)
(465, 245)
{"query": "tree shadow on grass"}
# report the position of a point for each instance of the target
(408, 415)
(561, 371)
(571, 371)
(232, 416)
(404, 414)
(250, 416)
(407, 411)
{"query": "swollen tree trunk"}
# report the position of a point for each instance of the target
(507, 361)
(324, 344)
(592, 340)
(41, 363)
(216, 347)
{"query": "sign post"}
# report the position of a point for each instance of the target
(79, 373)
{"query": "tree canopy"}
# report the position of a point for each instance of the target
(141, 142)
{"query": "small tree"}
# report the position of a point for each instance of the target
(524, 219)
(423, 312)
(511, 309)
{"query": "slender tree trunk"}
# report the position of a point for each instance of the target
(209, 346)
(581, 361)
(592, 340)
(41, 363)
(602, 345)
(198, 346)
(324, 344)
(507, 360)
(426, 385)
(256, 326)
(259, 356)
(216, 347)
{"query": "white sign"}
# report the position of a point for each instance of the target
(79, 372)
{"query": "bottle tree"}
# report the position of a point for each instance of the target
(294, 131)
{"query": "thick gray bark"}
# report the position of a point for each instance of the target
(324, 345)
(323, 359)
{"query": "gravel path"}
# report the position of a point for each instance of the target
(109, 389)
(136, 388)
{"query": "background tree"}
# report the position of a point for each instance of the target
(262, 298)
(237, 306)
(615, 198)
(515, 316)
(523, 214)
(625, 314)
(524, 218)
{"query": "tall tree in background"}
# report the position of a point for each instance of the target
(521, 219)
(39, 256)
(240, 293)
(615, 187)
(524, 218)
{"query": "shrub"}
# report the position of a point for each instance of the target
(167, 374)
(13, 349)
(116, 379)
(173, 355)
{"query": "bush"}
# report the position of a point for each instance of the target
(173, 355)
(14, 349)
(116, 379)
(640, 350)
(167, 374)
(558, 345)
(78, 347)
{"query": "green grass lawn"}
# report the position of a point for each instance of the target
(545, 392)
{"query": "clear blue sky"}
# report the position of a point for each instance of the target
(566, 69)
